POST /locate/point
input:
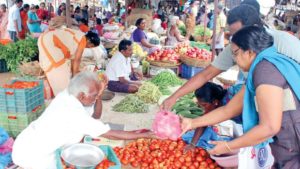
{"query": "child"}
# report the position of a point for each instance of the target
(99, 27)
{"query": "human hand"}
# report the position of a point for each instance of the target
(168, 103)
(220, 148)
(186, 124)
(149, 134)
(188, 148)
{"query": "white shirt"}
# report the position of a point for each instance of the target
(65, 121)
(118, 66)
(14, 15)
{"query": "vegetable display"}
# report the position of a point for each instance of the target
(199, 31)
(181, 48)
(131, 104)
(136, 50)
(166, 79)
(149, 93)
(163, 154)
(186, 107)
(105, 164)
(168, 55)
(16, 53)
(199, 45)
(21, 85)
(201, 54)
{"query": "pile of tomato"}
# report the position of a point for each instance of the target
(163, 154)
(105, 164)
(21, 85)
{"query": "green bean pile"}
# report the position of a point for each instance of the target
(149, 93)
(131, 104)
(166, 79)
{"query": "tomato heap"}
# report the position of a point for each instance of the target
(21, 85)
(163, 154)
(105, 164)
(201, 54)
(164, 55)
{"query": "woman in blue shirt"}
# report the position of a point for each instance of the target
(34, 23)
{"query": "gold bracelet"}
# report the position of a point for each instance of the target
(227, 146)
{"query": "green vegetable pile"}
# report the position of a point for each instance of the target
(186, 107)
(149, 93)
(131, 104)
(16, 53)
(199, 31)
(199, 45)
(166, 79)
(182, 30)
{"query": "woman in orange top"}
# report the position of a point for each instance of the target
(83, 26)
(24, 16)
(60, 52)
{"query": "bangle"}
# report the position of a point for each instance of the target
(227, 146)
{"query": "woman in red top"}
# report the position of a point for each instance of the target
(99, 27)
(24, 18)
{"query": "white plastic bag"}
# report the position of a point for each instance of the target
(256, 158)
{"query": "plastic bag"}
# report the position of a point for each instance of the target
(166, 125)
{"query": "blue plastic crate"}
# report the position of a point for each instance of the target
(15, 123)
(3, 67)
(107, 150)
(188, 72)
(21, 100)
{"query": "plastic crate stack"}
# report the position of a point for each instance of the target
(19, 107)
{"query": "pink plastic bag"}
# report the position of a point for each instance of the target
(166, 125)
(7, 146)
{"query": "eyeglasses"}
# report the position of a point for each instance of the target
(235, 52)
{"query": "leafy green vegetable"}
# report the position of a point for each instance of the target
(199, 45)
(16, 53)
(182, 30)
(186, 107)
(149, 93)
(199, 31)
(131, 104)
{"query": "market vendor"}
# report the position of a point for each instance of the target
(72, 115)
(140, 37)
(191, 14)
(60, 52)
(121, 76)
(173, 35)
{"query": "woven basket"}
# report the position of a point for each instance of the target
(31, 68)
(201, 38)
(163, 63)
(226, 81)
(194, 62)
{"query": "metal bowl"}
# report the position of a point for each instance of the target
(107, 95)
(82, 156)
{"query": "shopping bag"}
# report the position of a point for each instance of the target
(256, 158)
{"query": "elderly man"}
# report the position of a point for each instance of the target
(66, 121)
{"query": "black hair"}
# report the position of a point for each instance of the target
(210, 92)
(246, 14)
(98, 21)
(84, 21)
(191, 3)
(93, 38)
(37, 7)
(139, 21)
(288, 28)
(252, 3)
(252, 38)
(18, 1)
(25, 6)
(124, 44)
